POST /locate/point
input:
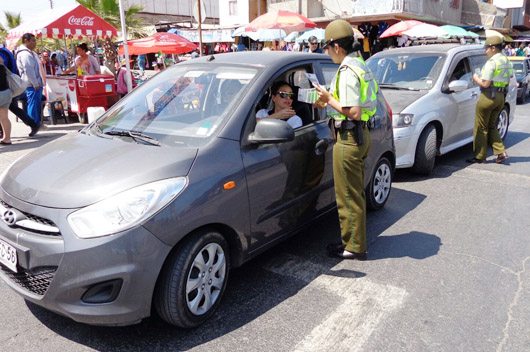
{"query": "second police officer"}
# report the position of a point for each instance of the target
(352, 97)
(493, 82)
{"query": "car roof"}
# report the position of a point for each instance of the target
(435, 48)
(259, 58)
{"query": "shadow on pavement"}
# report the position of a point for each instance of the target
(255, 288)
(417, 245)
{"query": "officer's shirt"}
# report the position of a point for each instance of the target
(349, 84)
(489, 68)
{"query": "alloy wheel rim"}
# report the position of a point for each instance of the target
(502, 125)
(206, 278)
(382, 182)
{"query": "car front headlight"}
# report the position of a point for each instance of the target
(403, 120)
(125, 210)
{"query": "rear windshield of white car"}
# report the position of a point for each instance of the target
(182, 106)
(518, 68)
(412, 71)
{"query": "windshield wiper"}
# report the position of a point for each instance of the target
(135, 135)
(393, 86)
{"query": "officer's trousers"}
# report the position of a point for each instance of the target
(348, 174)
(485, 131)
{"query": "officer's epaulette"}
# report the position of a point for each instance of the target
(342, 68)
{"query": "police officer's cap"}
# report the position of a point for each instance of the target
(493, 40)
(336, 30)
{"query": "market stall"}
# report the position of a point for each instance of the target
(73, 93)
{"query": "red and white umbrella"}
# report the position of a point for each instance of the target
(279, 19)
(399, 28)
(168, 43)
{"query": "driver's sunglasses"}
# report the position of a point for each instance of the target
(284, 95)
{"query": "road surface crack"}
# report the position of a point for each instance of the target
(513, 304)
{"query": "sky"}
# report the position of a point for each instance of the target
(30, 8)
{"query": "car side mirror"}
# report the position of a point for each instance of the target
(458, 86)
(271, 131)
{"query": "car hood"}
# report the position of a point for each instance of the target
(78, 170)
(400, 99)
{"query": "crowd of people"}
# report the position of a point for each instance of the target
(521, 50)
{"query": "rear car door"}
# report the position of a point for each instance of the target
(290, 183)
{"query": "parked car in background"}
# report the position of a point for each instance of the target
(433, 98)
(155, 201)
(521, 68)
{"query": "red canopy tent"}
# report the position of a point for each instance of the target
(168, 43)
(72, 22)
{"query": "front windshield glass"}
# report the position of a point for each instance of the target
(183, 106)
(409, 71)
(518, 68)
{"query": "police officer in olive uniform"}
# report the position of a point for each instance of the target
(350, 102)
(493, 82)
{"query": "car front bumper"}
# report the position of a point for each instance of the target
(56, 271)
(405, 141)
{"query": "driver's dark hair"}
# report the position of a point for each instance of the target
(350, 44)
(278, 85)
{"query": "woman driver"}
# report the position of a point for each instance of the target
(282, 97)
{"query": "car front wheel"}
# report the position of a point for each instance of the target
(193, 280)
(425, 151)
(502, 123)
(380, 185)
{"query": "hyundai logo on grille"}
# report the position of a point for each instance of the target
(10, 217)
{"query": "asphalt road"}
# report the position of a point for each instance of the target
(448, 270)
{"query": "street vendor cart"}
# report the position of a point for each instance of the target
(75, 94)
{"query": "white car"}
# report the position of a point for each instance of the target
(433, 98)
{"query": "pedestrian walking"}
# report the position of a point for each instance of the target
(141, 62)
(30, 68)
(313, 46)
(493, 82)
(5, 100)
(353, 95)
(10, 64)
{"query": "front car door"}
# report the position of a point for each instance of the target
(461, 115)
(290, 183)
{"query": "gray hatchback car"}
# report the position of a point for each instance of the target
(155, 201)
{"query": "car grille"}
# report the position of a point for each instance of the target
(32, 222)
(36, 280)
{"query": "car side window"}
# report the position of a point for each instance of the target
(477, 62)
(461, 72)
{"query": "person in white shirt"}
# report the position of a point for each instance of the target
(282, 97)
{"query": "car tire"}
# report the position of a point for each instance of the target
(425, 151)
(503, 122)
(193, 280)
(378, 189)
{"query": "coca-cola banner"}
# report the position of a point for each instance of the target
(75, 21)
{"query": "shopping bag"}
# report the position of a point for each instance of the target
(16, 84)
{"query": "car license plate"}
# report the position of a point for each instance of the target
(8, 256)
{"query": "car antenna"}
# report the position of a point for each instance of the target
(211, 58)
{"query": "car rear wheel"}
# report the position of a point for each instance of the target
(380, 185)
(502, 123)
(193, 280)
(425, 151)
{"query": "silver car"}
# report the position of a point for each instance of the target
(433, 98)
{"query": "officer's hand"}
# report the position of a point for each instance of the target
(323, 95)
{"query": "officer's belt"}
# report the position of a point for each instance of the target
(348, 124)
(492, 89)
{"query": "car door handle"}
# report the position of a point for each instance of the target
(474, 95)
(321, 146)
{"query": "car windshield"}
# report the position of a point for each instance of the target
(183, 106)
(408, 71)
(518, 68)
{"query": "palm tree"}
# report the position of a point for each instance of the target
(13, 20)
(109, 10)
